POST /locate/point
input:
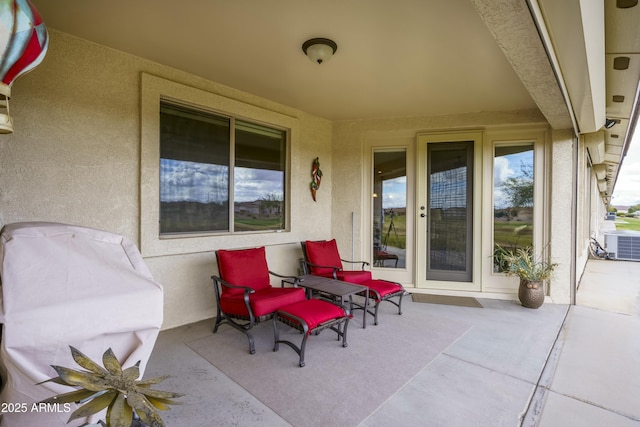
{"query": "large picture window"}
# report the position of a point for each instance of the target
(219, 174)
(214, 171)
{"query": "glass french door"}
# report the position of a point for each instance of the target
(389, 242)
(446, 213)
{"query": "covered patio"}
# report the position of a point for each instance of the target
(455, 86)
(455, 81)
(501, 365)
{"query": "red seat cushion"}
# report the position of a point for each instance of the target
(383, 287)
(323, 253)
(354, 276)
(385, 255)
(263, 302)
(314, 312)
(243, 267)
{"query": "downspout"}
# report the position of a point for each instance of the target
(574, 224)
(353, 244)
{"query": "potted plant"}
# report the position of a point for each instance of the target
(129, 401)
(532, 271)
(500, 264)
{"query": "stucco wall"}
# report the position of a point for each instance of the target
(74, 157)
(562, 198)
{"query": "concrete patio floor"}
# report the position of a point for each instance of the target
(555, 366)
(593, 375)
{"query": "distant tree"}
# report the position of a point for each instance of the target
(519, 189)
(272, 203)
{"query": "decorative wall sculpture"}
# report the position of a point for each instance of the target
(316, 177)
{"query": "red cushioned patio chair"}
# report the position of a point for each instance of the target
(322, 258)
(244, 295)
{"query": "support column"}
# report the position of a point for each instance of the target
(561, 214)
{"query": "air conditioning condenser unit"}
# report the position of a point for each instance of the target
(623, 245)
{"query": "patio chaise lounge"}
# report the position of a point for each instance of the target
(322, 258)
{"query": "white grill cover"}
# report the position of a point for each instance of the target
(67, 285)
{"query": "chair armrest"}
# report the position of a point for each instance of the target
(247, 290)
(335, 269)
(364, 263)
(334, 272)
(289, 279)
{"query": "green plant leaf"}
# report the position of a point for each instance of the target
(151, 381)
(94, 405)
(120, 413)
(73, 396)
(88, 364)
(161, 404)
(145, 410)
(87, 380)
(56, 380)
(132, 372)
(524, 264)
(160, 394)
(111, 362)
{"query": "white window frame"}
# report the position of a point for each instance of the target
(394, 141)
(499, 282)
(153, 89)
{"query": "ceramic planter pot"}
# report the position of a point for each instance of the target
(530, 293)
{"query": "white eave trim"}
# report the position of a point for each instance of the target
(573, 33)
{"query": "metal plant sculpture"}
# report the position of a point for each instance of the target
(113, 388)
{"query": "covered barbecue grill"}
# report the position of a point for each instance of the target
(67, 285)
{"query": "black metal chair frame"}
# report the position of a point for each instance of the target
(251, 320)
(378, 299)
(338, 325)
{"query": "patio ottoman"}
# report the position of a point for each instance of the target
(384, 290)
(310, 317)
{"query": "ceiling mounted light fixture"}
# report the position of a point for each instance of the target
(319, 50)
(626, 4)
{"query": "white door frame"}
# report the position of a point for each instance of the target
(499, 282)
(389, 142)
(476, 137)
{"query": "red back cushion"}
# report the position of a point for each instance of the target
(323, 253)
(244, 267)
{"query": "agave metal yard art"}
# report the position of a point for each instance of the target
(111, 387)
